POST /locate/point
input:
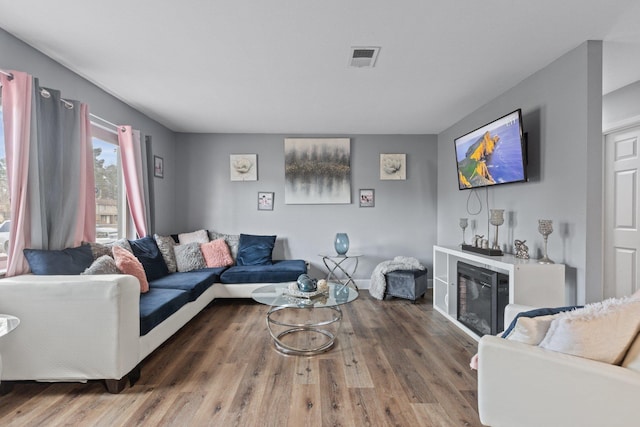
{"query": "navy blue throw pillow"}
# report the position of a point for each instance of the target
(535, 313)
(255, 250)
(65, 261)
(149, 255)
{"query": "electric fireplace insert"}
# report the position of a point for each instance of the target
(482, 297)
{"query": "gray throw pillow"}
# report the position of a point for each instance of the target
(233, 240)
(98, 249)
(189, 257)
(166, 244)
(103, 265)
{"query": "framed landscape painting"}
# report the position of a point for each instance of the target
(317, 170)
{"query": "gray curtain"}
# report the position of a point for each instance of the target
(55, 169)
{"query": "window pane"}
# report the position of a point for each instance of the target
(108, 194)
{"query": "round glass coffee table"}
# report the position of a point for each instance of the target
(303, 326)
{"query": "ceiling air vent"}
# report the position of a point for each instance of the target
(363, 56)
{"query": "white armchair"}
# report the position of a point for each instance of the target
(525, 385)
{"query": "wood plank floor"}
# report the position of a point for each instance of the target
(394, 364)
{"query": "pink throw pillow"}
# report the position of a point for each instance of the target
(129, 264)
(216, 253)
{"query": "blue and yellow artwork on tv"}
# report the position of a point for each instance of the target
(492, 154)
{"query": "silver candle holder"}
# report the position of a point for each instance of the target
(545, 227)
(496, 218)
(464, 223)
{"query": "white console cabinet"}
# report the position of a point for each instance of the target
(530, 283)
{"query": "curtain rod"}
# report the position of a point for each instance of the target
(6, 73)
(106, 121)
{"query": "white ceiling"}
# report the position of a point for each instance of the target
(281, 66)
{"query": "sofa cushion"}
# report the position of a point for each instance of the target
(279, 271)
(103, 265)
(158, 304)
(194, 282)
(537, 312)
(129, 264)
(199, 236)
(216, 253)
(255, 250)
(166, 244)
(632, 359)
(600, 331)
(232, 240)
(65, 261)
(147, 252)
(189, 257)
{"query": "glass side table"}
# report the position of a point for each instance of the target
(341, 268)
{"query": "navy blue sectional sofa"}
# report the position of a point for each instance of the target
(169, 293)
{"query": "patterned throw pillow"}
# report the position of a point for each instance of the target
(233, 240)
(199, 236)
(216, 253)
(189, 257)
(103, 265)
(129, 264)
(166, 244)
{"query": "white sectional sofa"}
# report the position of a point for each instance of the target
(79, 328)
(523, 385)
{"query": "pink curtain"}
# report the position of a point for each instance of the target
(16, 107)
(132, 169)
(86, 227)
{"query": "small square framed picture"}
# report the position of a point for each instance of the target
(367, 198)
(265, 201)
(158, 167)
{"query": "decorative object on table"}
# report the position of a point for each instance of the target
(481, 246)
(367, 198)
(306, 283)
(393, 167)
(317, 170)
(265, 201)
(496, 218)
(464, 223)
(323, 285)
(545, 227)
(477, 240)
(342, 243)
(243, 167)
(158, 167)
(522, 250)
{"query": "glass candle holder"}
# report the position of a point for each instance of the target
(464, 223)
(496, 218)
(545, 227)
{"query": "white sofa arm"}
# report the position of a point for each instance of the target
(72, 328)
(525, 385)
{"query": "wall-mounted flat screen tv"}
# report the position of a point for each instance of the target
(492, 154)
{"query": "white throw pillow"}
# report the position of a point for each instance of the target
(200, 236)
(601, 331)
(531, 330)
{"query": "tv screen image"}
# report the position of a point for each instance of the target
(492, 154)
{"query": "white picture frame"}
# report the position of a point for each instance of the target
(243, 167)
(393, 166)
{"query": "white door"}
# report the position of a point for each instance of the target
(621, 232)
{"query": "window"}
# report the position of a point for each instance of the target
(109, 187)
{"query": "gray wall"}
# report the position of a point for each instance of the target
(621, 107)
(562, 107)
(16, 55)
(403, 221)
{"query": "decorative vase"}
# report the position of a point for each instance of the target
(342, 243)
